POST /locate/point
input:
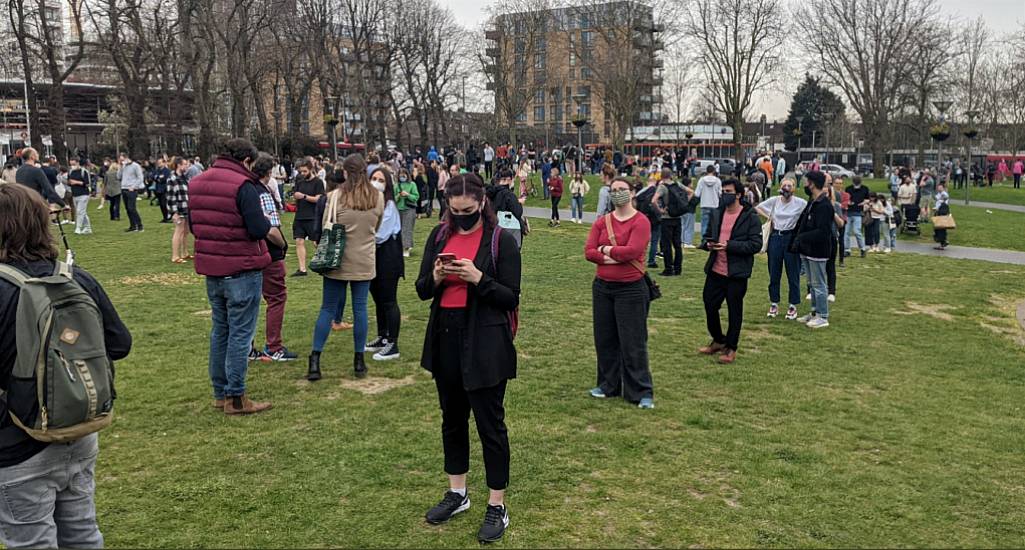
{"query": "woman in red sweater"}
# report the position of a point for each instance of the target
(620, 299)
(555, 191)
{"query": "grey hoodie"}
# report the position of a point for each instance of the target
(708, 190)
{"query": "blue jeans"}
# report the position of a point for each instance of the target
(49, 498)
(816, 271)
(780, 257)
(656, 236)
(235, 305)
(706, 214)
(853, 226)
(576, 207)
(333, 302)
(687, 220)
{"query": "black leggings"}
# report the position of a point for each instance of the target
(555, 208)
(731, 290)
(384, 291)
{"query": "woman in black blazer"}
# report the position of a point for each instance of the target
(475, 288)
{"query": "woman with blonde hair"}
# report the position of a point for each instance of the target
(359, 207)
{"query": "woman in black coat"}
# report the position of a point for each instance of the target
(389, 268)
(471, 272)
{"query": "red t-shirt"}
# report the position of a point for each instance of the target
(728, 221)
(555, 186)
(633, 237)
(465, 248)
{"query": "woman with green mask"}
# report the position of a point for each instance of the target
(617, 244)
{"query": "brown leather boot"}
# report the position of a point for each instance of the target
(241, 404)
(728, 356)
(711, 349)
(219, 404)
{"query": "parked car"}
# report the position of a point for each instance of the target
(836, 170)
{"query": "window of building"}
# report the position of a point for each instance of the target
(539, 113)
(539, 96)
(572, 59)
(539, 61)
(587, 38)
(522, 117)
(585, 73)
(556, 113)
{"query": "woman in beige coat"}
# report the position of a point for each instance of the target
(359, 207)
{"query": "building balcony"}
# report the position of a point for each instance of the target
(659, 27)
(644, 26)
(492, 52)
(657, 63)
(493, 34)
(490, 86)
(658, 45)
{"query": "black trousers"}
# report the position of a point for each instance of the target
(384, 291)
(456, 402)
(115, 207)
(432, 190)
(831, 267)
(620, 313)
(555, 208)
(134, 221)
(162, 201)
(872, 233)
(671, 247)
(731, 290)
(1017, 181)
(489, 168)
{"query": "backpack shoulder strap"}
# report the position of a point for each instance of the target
(496, 235)
(13, 275)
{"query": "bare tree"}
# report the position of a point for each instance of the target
(23, 24)
(866, 48)
(739, 43)
(931, 74)
(680, 76)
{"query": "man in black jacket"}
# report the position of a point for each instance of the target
(733, 237)
(32, 176)
(814, 241)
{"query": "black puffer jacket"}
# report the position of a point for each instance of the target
(745, 241)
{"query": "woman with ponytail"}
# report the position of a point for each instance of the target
(471, 273)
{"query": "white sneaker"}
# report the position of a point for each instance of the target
(831, 298)
(806, 318)
(808, 297)
(405, 253)
(689, 246)
(818, 322)
(886, 251)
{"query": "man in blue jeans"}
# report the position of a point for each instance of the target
(227, 219)
(859, 201)
(708, 189)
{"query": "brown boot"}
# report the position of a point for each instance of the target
(711, 349)
(219, 404)
(241, 404)
(728, 356)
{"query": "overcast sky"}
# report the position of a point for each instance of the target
(1003, 17)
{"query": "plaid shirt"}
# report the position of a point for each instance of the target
(270, 208)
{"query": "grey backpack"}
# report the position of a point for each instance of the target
(61, 388)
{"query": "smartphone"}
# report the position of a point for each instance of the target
(447, 257)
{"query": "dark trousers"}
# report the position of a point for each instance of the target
(555, 208)
(162, 201)
(489, 168)
(1017, 181)
(115, 207)
(384, 291)
(134, 221)
(872, 233)
(456, 402)
(432, 190)
(621, 338)
(732, 291)
(834, 251)
(671, 248)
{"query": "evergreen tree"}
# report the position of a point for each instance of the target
(819, 108)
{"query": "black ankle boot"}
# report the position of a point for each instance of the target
(358, 365)
(314, 374)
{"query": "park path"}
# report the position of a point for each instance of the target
(990, 205)
(958, 252)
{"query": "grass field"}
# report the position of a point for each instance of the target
(900, 425)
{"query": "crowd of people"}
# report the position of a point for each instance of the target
(360, 215)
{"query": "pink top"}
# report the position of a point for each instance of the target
(633, 236)
(1019, 167)
(728, 221)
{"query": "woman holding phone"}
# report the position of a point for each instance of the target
(471, 273)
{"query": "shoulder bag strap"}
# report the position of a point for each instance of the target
(14, 275)
(612, 239)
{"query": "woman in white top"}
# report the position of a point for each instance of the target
(784, 211)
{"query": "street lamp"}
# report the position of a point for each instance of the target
(580, 120)
(799, 133)
(940, 133)
(332, 122)
(971, 133)
(276, 114)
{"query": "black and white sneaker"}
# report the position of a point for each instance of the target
(377, 344)
(496, 519)
(257, 355)
(452, 504)
(389, 352)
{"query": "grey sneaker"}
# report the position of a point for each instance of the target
(818, 322)
(453, 503)
(804, 319)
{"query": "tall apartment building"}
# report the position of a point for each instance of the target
(600, 63)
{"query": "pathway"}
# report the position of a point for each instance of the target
(958, 252)
(991, 205)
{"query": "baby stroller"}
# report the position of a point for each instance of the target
(910, 225)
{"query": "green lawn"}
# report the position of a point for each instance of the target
(900, 425)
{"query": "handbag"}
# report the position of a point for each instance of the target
(944, 222)
(654, 291)
(331, 247)
(767, 229)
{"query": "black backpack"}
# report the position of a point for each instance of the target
(676, 201)
(644, 206)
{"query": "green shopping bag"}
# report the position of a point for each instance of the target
(328, 256)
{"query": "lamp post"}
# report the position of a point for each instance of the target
(799, 133)
(276, 114)
(971, 133)
(941, 133)
(332, 122)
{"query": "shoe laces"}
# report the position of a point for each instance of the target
(494, 515)
(452, 498)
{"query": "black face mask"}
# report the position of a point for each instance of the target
(729, 198)
(465, 221)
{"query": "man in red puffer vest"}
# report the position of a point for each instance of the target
(227, 220)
